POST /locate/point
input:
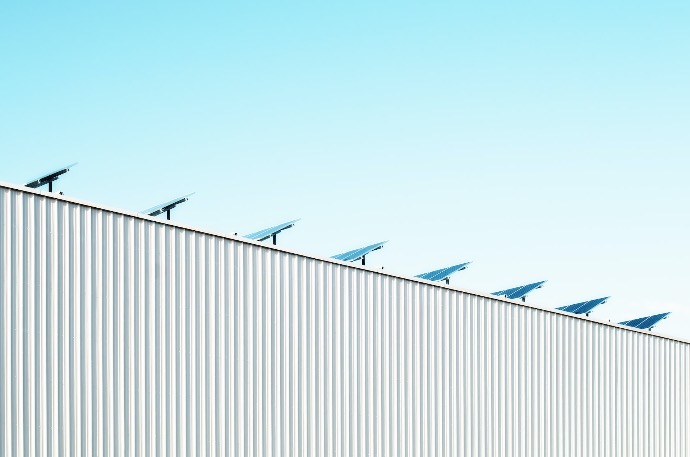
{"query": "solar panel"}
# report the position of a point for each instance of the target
(520, 291)
(356, 254)
(443, 273)
(271, 232)
(645, 322)
(166, 207)
(49, 177)
(584, 307)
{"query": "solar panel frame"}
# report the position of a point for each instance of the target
(160, 209)
(443, 273)
(356, 254)
(519, 292)
(584, 307)
(49, 177)
(645, 323)
(267, 233)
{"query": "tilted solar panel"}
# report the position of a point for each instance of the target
(356, 254)
(645, 322)
(520, 291)
(49, 177)
(443, 273)
(271, 231)
(164, 207)
(584, 307)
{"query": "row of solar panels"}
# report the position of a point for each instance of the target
(443, 274)
(585, 307)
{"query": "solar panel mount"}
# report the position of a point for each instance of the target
(359, 253)
(443, 274)
(519, 292)
(167, 207)
(271, 232)
(49, 178)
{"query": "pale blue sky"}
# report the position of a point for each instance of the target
(539, 141)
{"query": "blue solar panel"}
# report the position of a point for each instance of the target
(356, 254)
(269, 232)
(520, 291)
(159, 209)
(443, 273)
(645, 322)
(584, 307)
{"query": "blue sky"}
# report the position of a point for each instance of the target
(539, 141)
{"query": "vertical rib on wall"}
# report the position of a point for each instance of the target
(122, 336)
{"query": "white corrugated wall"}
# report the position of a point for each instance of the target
(125, 336)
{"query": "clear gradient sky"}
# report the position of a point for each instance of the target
(539, 141)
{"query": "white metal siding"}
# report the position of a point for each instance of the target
(124, 336)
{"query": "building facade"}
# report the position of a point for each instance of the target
(125, 335)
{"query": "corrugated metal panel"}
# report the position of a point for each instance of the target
(124, 336)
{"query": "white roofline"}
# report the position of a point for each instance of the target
(57, 196)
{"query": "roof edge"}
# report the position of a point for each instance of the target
(440, 285)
